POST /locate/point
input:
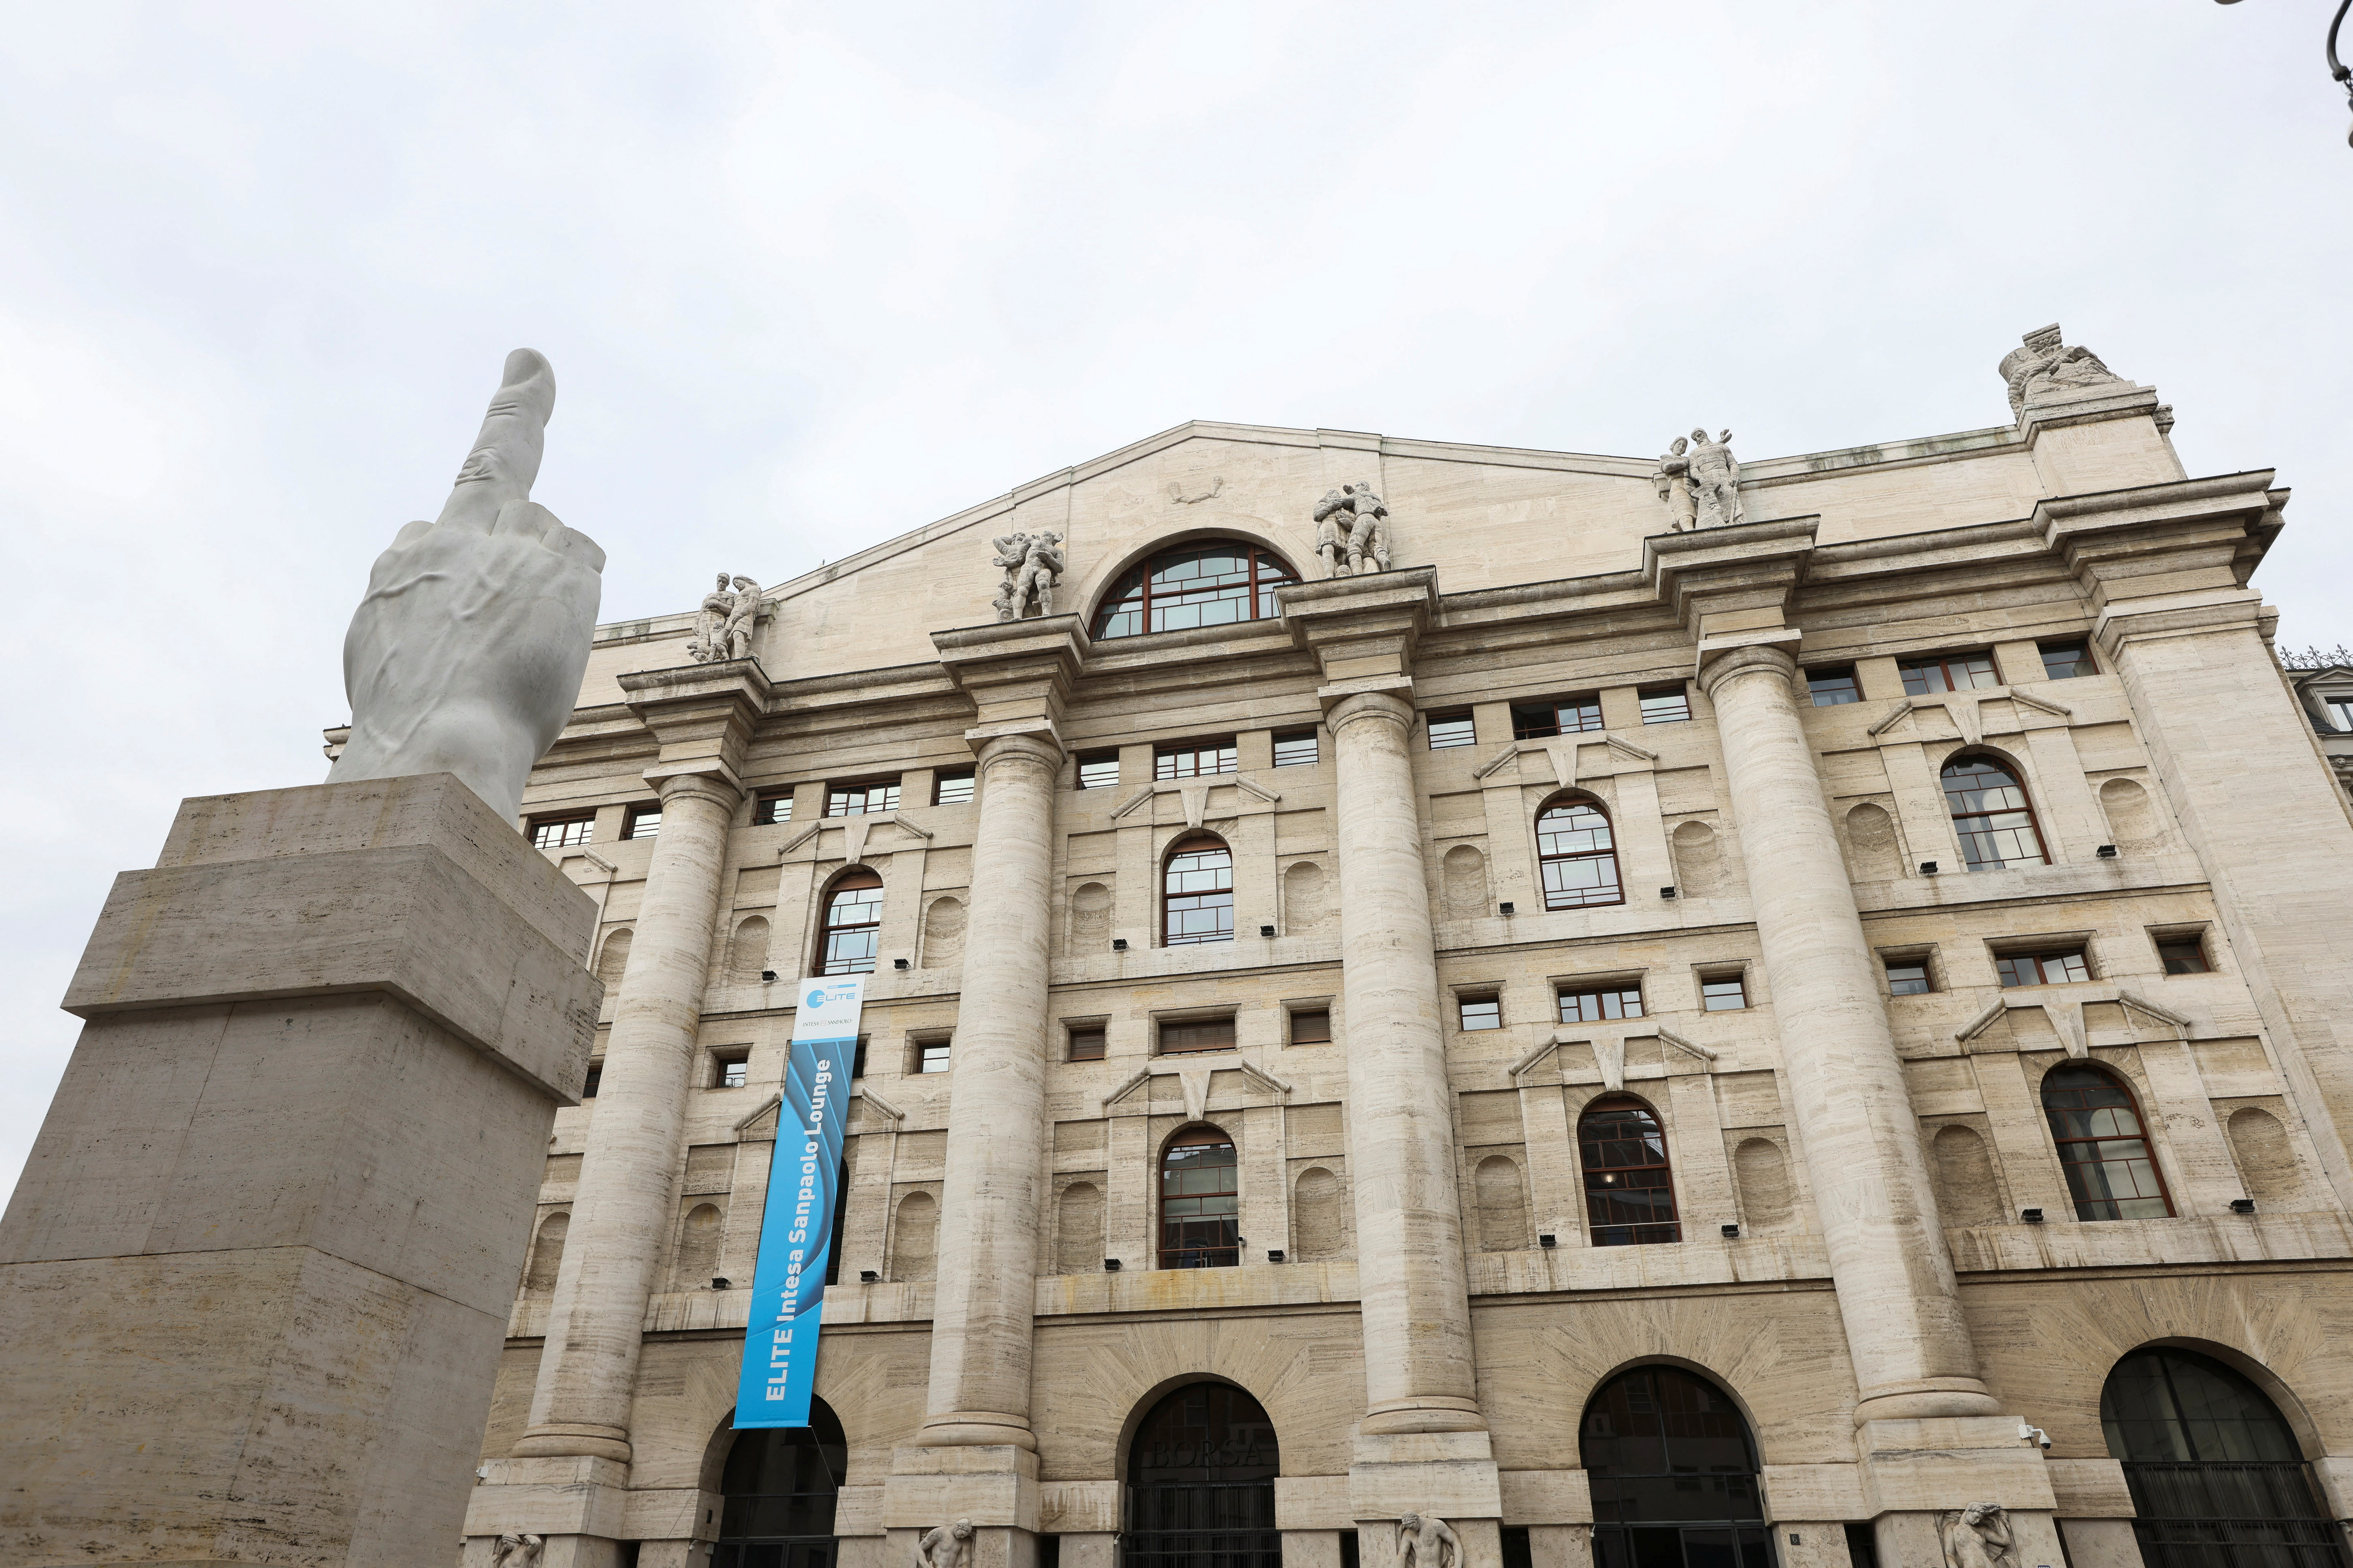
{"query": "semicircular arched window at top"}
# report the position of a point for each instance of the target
(1210, 583)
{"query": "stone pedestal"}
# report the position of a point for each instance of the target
(257, 1274)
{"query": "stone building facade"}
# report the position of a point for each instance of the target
(1704, 1011)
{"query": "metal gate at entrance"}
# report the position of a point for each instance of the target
(779, 1488)
(1200, 1484)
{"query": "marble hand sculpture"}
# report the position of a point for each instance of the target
(947, 1546)
(466, 656)
(2048, 366)
(1425, 1541)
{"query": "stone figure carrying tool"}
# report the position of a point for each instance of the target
(947, 1546)
(1715, 481)
(466, 654)
(1673, 484)
(1424, 1541)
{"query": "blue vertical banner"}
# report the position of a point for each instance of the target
(796, 1236)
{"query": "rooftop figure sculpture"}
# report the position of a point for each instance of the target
(1032, 563)
(1673, 484)
(1352, 530)
(466, 654)
(2047, 366)
(723, 625)
(1715, 481)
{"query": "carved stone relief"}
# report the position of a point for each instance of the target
(1978, 1536)
(722, 623)
(515, 1551)
(1424, 1541)
(948, 1546)
(1033, 564)
(1352, 530)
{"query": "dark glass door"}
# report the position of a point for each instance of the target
(1200, 1484)
(1674, 1474)
(778, 1494)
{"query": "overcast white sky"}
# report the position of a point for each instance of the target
(810, 276)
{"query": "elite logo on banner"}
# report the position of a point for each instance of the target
(796, 1236)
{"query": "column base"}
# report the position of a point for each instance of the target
(976, 1429)
(1426, 1413)
(575, 1495)
(991, 1485)
(1450, 1474)
(1917, 1471)
(992, 1546)
(573, 1440)
(1932, 1399)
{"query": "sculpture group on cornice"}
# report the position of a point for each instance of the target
(723, 625)
(1033, 564)
(1352, 533)
(2047, 366)
(1698, 481)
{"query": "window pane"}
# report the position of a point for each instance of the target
(1666, 705)
(1086, 1045)
(1199, 1204)
(1910, 979)
(1099, 770)
(1483, 1013)
(2340, 712)
(861, 799)
(1207, 1035)
(1953, 672)
(734, 1075)
(771, 807)
(1594, 1007)
(1724, 996)
(933, 1056)
(1628, 1193)
(559, 832)
(1832, 687)
(1311, 1028)
(643, 822)
(1562, 716)
(2187, 956)
(1295, 750)
(953, 789)
(2066, 660)
(2110, 1172)
(1450, 729)
(1195, 761)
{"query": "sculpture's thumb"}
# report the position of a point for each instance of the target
(505, 459)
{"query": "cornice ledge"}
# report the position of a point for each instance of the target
(1765, 539)
(1059, 638)
(1404, 587)
(2221, 496)
(732, 676)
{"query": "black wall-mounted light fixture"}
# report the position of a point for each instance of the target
(2243, 1206)
(1548, 1240)
(898, 963)
(1110, 1264)
(1666, 892)
(1927, 867)
(2108, 851)
(1119, 944)
(1731, 1232)
(1274, 1255)
(1266, 931)
(720, 1282)
(1504, 908)
(768, 977)
(869, 1277)
(2032, 1216)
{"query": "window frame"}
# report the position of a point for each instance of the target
(1646, 695)
(1194, 843)
(1218, 1022)
(1944, 663)
(856, 879)
(1607, 852)
(2140, 1134)
(1606, 995)
(2193, 939)
(763, 817)
(1136, 581)
(1087, 760)
(944, 778)
(534, 826)
(1889, 963)
(1166, 754)
(641, 821)
(1596, 1226)
(1221, 1254)
(1094, 1029)
(2086, 662)
(1834, 672)
(1491, 1002)
(1291, 1025)
(865, 788)
(2340, 714)
(1311, 736)
(1963, 835)
(1735, 978)
(925, 1050)
(1585, 704)
(725, 1056)
(2042, 959)
(1449, 717)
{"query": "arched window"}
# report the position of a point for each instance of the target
(547, 1256)
(1630, 1194)
(1197, 892)
(853, 924)
(1674, 1472)
(1200, 1483)
(2215, 1474)
(1211, 584)
(1200, 1202)
(779, 1486)
(2110, 1170)
(1578, 857)
(1992, 815)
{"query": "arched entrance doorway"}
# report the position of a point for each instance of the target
(1674, 1472)
(778, 1486)
(1200, 1484)
(2217, 1477)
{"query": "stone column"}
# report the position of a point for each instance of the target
(989, 1218)
(255, 1281)
(1418, 1375)
(587, 1372)
(1896, 1295)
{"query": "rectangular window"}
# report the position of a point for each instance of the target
(1448, 731)
(562, 832)
(932, 1055)
(1197, 759)
(772, 806)
(1724, 994)
(1199, 1034)
(1665, 704)
(1949, 673)
(2183, 955)
(1833, 685)
(1295, 749)
(1098, 770)
(731, 1071)
(952, 788)
(2066, 660)
(1311, 1028)
(1597, 1006)
(1908, 977)
(594, 1082)
(2340, 712)
(1558, 716)
(2044, 968)
(642, 822)
(858, 1062)
(1482, 1013)
(867, 799)
(1087, 1044)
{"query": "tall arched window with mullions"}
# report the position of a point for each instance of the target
(1210, 583)
(1992, 815)
(1629, 1188)
(1674, 1471)
(2111, 1171)
(854, 925)
(1197, 901)
(1577, 855)
(2216, 1475)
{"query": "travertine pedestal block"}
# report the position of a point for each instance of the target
(256, 1278)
